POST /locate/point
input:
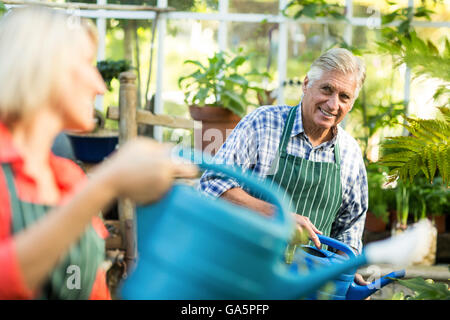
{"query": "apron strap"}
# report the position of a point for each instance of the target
(289, 124)
(337, 154)
(87, 253)
(17, 220)
(6, 167)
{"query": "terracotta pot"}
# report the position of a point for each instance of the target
(373, 223)
(217, 124)
(439, 222)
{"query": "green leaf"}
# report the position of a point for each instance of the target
(237, 61)
(430, 155)
(398, 296)
(238, 79)
(237, 99)
(310, 11)
(201, 95)
(197, 63)
(426, 290)
(388, 18)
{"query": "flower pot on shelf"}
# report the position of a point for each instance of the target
(218, 94)
(217, 124)
(93, 147)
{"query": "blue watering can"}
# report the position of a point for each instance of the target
(192, 246)
(343, 287)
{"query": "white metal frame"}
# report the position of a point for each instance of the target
(224, 16)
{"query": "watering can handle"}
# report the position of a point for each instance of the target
(358, 292)
(337, 245)
(264, 187)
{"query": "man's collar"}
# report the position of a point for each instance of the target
(298, 122)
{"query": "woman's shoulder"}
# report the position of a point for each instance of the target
(66, 171)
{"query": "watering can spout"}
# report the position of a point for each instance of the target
(295, 285)
(358, 292)
(299, 284)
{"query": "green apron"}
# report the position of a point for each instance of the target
(314, 188)
(83, 259)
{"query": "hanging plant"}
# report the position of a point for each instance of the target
(110, 69)
(313, 9)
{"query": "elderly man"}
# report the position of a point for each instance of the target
(303, 150)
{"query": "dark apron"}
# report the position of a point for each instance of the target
(84, 256)
(314, 188)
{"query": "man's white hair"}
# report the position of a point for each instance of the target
(341, 60)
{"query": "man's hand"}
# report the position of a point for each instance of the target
(360, 280)
(304, 223)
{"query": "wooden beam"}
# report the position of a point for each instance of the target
(127, 131)
(90, 6)
(147, 117)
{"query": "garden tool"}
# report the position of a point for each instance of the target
(343, 287)
(193, 246)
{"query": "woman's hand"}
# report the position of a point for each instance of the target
(143, 170)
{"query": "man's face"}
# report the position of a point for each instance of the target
(328, 99)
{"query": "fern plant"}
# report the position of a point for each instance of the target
(423, 58)
(425, 150)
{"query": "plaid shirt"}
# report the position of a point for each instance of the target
(253, 145)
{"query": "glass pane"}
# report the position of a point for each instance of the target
(120, 45)
(259, 41)
(183, 5)
(253, 6)
(305, 43)
(367, 8)
(185, 39)
(204, 6)
(382, 94)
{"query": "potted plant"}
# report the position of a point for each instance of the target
(377, 215)
(217, 94)
(428, 200)
(423, 152)
(94, 146)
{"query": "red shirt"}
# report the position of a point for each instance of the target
(69, 177)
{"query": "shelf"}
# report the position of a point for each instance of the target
(89, 6)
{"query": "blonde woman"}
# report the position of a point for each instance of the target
(49, 225)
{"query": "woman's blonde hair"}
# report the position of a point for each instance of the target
(36, 45)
